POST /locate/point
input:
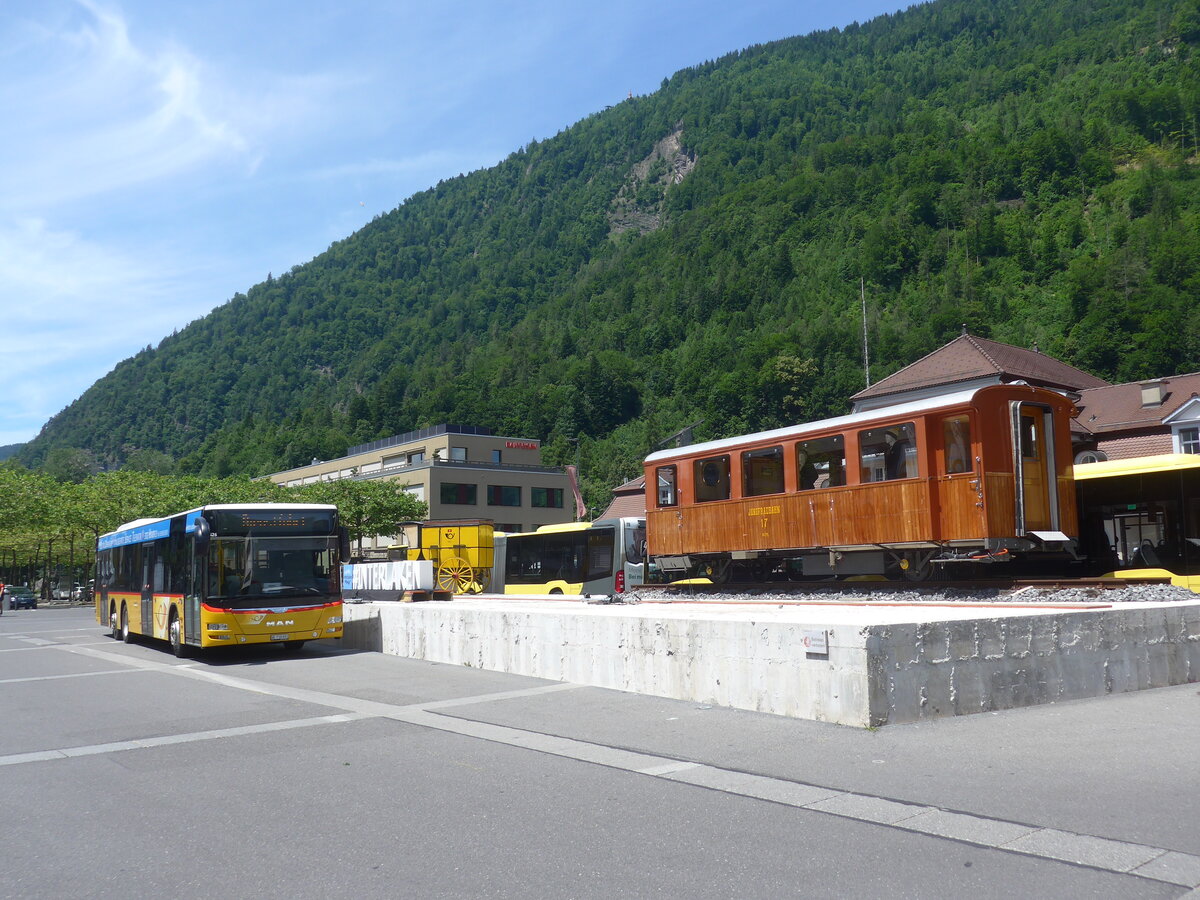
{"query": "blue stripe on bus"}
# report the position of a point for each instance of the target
(152, 532)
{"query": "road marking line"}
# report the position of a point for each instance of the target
(71, 675)
(48, 631)
(169, 739)
(500, 695)
(1028, 840)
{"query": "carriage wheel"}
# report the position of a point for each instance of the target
(716, 571)
(455, 575)
(916, 566)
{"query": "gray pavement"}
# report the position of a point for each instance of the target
(125, 772)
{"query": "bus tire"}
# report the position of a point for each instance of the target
(114, 624)
(175, 635)
(126, 634)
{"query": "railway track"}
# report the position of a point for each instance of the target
(1003, 586)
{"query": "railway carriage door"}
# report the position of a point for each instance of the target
(959, 482)
(1034, 469)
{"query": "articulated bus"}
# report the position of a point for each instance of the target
(224, 575)
(602, 557)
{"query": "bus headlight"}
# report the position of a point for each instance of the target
(218, 626)
(335, 620)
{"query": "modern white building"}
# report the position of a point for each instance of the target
(462, 472)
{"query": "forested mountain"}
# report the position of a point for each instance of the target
(1027, 167)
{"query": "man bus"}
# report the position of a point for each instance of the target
(224, 575)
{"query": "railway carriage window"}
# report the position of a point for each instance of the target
(821, 462)
(762, 472)
(667, 493)
(956, 435)
(712, 479)
(1029, 437)
(889, 453)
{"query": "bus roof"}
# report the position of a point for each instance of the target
(1138, 465)
(142, 523)
(580, 526)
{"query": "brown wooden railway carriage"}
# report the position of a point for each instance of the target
(980, 475)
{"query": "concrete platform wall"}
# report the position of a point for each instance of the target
(937, 669)
(873, 674)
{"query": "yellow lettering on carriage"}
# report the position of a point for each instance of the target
(765, 511)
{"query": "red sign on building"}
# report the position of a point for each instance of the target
(521, 445)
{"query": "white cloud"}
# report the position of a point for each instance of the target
(97, 113)
(70, 308)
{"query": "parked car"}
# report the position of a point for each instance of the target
(18, 597)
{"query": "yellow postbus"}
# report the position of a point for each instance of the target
(224, 575)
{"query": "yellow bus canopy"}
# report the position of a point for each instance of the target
(1139, 465)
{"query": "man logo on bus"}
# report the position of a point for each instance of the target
(278, 623)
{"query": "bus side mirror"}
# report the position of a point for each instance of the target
(201, 535)
(343, 544)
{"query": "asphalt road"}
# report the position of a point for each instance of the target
(329, 773)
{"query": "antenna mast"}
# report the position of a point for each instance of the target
(862, 289)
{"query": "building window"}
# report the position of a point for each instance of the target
(503, 495)
(414, 458)
(667, 493)
(546, 498)
(507, 527)
(458, 454)
(496, 457)
(712, 479)
(459, 494)
(1189, 440)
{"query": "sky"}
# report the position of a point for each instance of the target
(159, 157)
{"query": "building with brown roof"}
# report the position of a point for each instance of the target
(1141, 418)
(628, 500)
(968, 362)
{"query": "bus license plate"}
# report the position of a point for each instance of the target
(280, 637)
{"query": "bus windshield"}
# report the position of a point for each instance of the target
(258, 568)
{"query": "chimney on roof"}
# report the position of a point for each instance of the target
(1152, 393)
(964, 331)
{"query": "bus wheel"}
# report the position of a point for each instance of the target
(175, 633)
(126, 634)
(114, 623)
(292, 646)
